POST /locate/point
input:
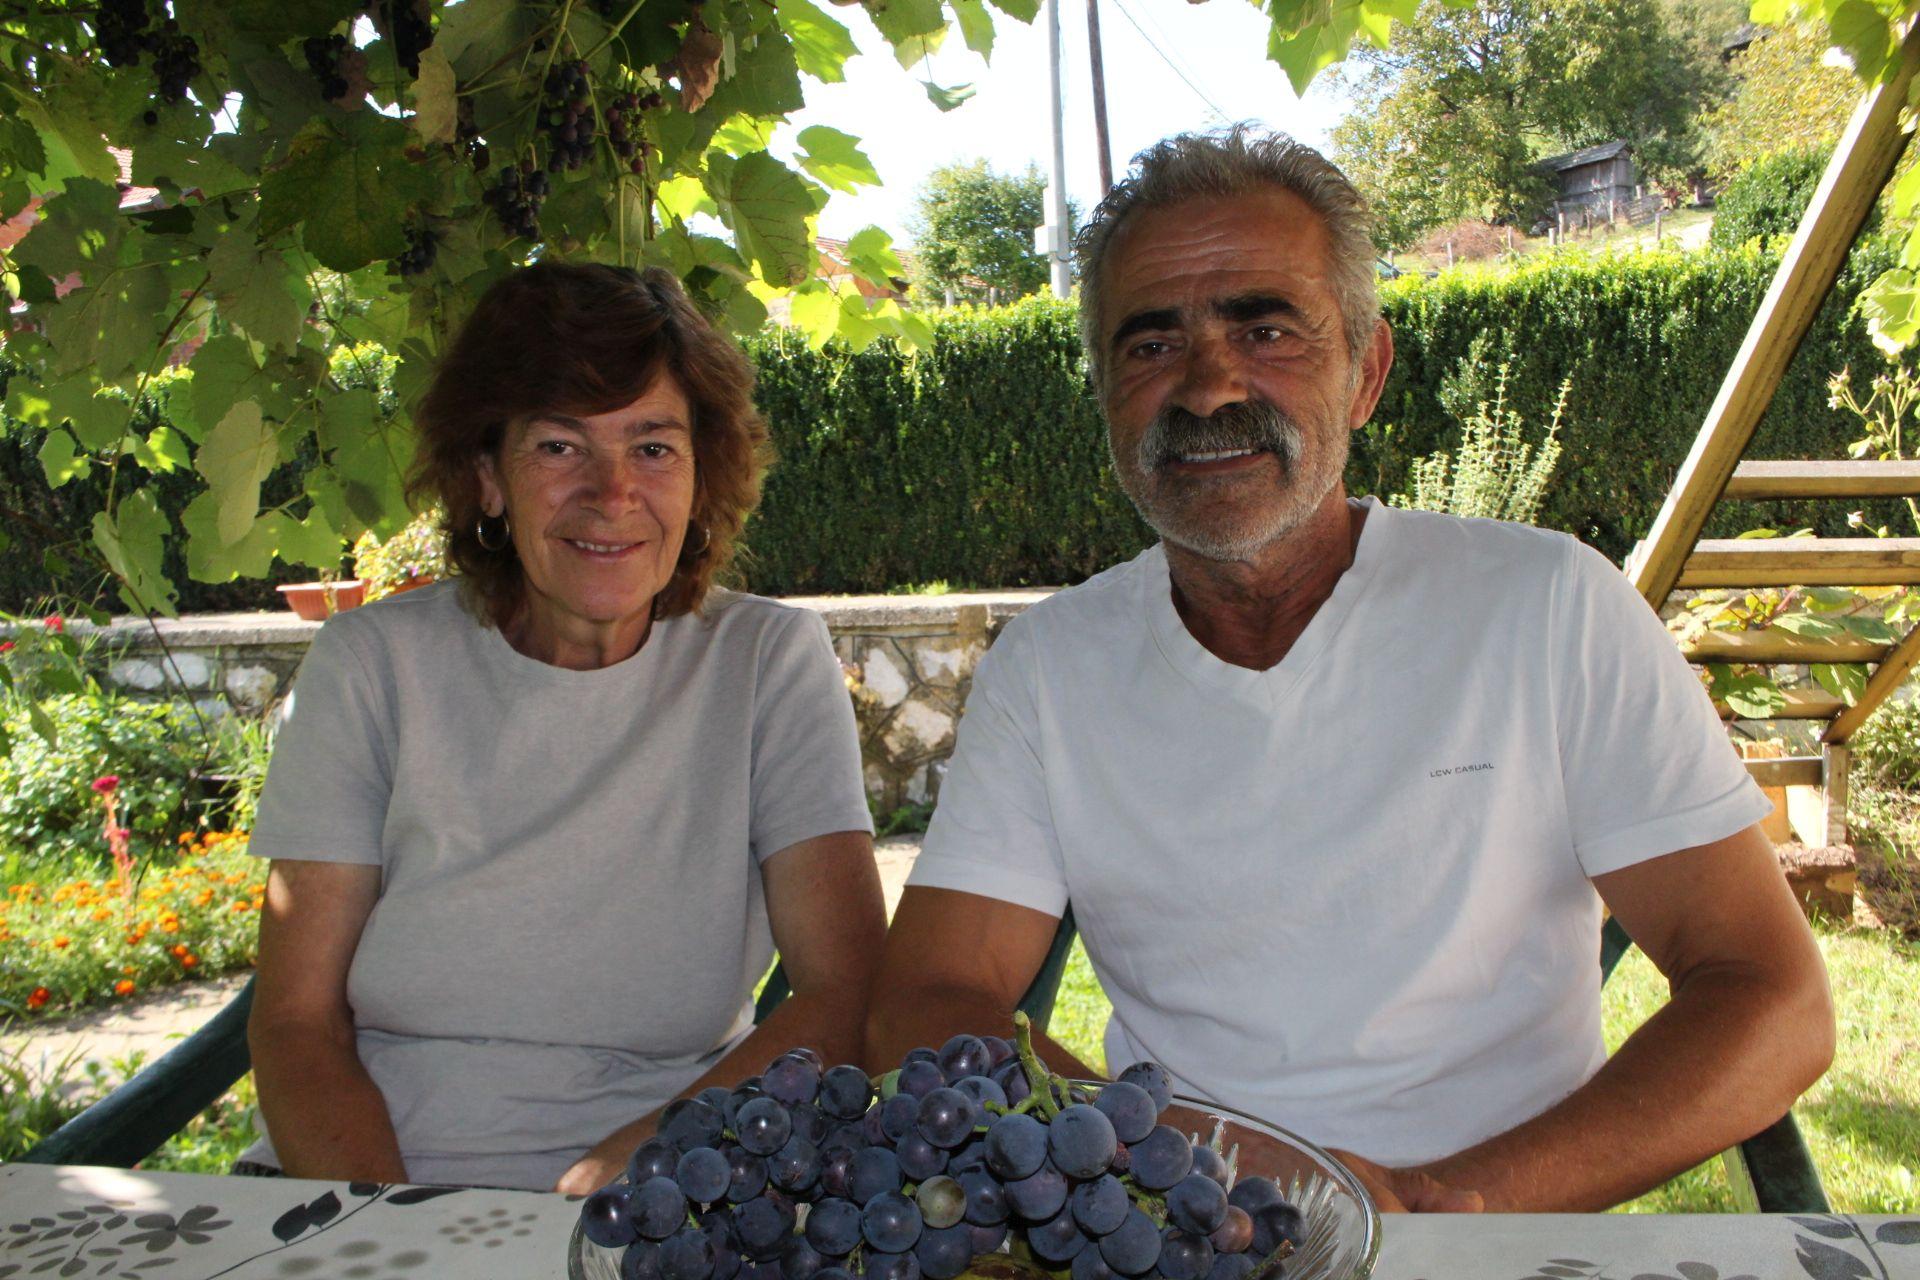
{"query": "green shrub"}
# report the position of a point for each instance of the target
(48, 809)
(1887, 748)
(1768, 197)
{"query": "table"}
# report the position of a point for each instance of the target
(98, 1223)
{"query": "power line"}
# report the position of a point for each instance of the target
(1168, 59)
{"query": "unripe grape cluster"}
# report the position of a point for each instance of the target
(622, 127)
(566, 116)
(808, 1174)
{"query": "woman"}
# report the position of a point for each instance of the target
(535, 832)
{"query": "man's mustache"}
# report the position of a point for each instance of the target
(1245, 424)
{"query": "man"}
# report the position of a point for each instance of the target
(1337, 792)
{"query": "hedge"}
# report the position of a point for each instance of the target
(983, 461)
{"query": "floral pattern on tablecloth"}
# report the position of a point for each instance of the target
(106, 1241)
(1844, 1251)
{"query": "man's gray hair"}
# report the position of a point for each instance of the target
(1232, 162)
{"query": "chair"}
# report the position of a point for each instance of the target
(136, 1119)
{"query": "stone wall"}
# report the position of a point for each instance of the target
(909, 663)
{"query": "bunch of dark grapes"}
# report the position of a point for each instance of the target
(410, 29)
(121, 29)
(176, 60)
(566, 115)
(324, 55)
(810, 1174)
(516, 201)
(622, 128)
(418, 255)
(467, 140)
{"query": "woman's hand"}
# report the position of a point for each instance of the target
(605, 1162)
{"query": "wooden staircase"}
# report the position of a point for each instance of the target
(1673, 556)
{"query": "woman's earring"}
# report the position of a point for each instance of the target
(706, 541)
(499, 542)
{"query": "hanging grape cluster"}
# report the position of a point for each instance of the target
(324, 57)
(516, 201)
(466, 138)
(810, 1174)
(623, 127)
(566, 117)
(418, 255)
(122, 30)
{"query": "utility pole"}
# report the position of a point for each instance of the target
(1101, 146)
(1053, 236)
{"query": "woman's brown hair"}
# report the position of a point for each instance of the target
(582, 339)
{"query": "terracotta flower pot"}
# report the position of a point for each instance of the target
(317, 601)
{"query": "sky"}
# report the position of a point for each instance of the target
(1148, 46)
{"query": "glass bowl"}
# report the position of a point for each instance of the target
(1343, 1226)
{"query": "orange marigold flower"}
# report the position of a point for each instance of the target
(101, 913)
(124, 987)
(62, 942)
(127, 969)
(189, 960)
(177, 949)
(38, 997)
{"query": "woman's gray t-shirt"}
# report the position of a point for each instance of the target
(571, 918)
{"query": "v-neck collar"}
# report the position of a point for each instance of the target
(1267, 689)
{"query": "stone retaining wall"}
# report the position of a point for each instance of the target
(909, 662)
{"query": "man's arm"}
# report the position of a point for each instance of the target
(958, 962)
(828, 919)
(326, 1115)
(1749, 1028)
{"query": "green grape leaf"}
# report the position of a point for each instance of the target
(976, 25)
(133, 540)
(21, 150)
(1845, 681)
(435, 108)
(112, 328)
(348, 188)
(683, 196)
(815, 311)
(60, 460)
(162, 451)
(1019, 10)
(821, 45)
(368, 458)
(870, 254)
(313, 541)
(835, 159)
(765, 80)
(1801, 624)
(72, 146)
(224, 373)
(741, 134)
(236, 458)
(211, 560)
(97, 422)
(1752, 695)
(474, 34)
(80, 230)
(915, 28)
(1866, 35)
(257, 291)
(947, 98)
(1891, 305)
(767, 206)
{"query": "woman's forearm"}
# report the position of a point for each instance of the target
(326, 1116)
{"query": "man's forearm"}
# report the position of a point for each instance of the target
(1721, 1061)
(326, 1116)
(931, 1016)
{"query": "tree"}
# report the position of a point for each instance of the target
(973, 231)
(1786, 66)
(1450, 120)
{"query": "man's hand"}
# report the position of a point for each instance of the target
(1409, 1190)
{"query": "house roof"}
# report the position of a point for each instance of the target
(1586, 155)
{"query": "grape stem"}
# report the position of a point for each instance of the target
(1039, 1079)
(1270, 1265)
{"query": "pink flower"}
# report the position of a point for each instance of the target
(107, 785)
(54, 622)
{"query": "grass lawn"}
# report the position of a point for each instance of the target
(1862, 1120)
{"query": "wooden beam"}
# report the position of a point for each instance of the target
(1802, 704)
(1886, 677)
(1861, 165)
(1803, 562)
(1787, 771)
(1752, 480)
(1780, 646)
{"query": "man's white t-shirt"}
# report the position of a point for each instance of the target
(1349, 894)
